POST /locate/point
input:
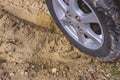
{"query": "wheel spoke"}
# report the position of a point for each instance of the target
(80, 34)
(93, 36)
(89, 18)
(74, 9)
(64, 21)
(72, 3)
(62, 5)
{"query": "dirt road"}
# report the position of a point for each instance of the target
(29, 52)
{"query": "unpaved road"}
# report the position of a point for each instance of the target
(29, 52)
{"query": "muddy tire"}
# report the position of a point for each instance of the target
(91, 25)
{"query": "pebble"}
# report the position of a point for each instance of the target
(33, 67)
(91, 69)
(22, 72)
(15, 63)
(5, 74)
(48, 75)
(54, 70)
(63, 72)
(26, 72)
(109, 75)
(12, 74)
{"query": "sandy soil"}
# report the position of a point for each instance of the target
(29, 52)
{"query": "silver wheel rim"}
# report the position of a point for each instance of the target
(80, 21)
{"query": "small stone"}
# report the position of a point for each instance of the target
(5, 74)
(15, 63)
(57, 74)
(54, 70)
(22, 72)
(26, 72)
(80, 71)
(63, 72)
(48, 75)
(109, 75)
(12, 74)
(42, 66)
(91, 69)
(33, 67)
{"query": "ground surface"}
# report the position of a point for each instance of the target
(29, 52)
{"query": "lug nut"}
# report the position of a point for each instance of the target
(78, 18)
(80, 29)
(68, 13)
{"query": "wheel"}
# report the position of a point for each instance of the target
(90, 25)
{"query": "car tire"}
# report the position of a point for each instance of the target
(102, 43)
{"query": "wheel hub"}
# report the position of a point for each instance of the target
(80, 21)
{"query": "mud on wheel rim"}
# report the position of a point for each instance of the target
(80, 21)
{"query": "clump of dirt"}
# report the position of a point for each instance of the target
(29, 52)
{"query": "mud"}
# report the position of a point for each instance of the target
(34, 11)
(29, 52)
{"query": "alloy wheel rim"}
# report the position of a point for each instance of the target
(80, 21)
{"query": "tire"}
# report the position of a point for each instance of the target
(98, 35)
